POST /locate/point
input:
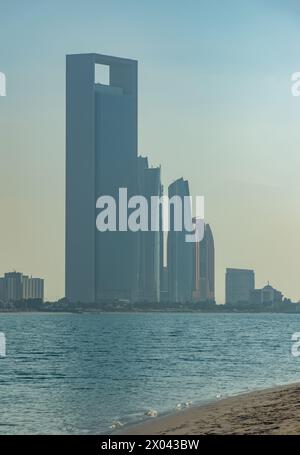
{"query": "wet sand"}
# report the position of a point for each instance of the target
(271, 411)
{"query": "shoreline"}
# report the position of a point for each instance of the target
(274, 410)
(149, 311)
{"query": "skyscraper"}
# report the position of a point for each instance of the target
(150, 242)
(164, 285)
(180, 252)
(101, 157)
(196, 272)
(239, 285)
(204, 267)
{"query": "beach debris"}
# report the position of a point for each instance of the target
(151, 413)
(116, 424)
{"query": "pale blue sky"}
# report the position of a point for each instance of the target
(214, 107)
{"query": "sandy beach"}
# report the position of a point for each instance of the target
(271, 411)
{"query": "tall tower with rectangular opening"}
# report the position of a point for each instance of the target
(101, 157)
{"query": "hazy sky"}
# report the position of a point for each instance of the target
(214, 107)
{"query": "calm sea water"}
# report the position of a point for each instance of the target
(75, 374)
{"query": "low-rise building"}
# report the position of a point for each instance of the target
(267, 294)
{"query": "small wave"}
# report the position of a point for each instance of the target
(151, 413)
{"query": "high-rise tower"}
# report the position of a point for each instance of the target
(180, 251)
(101, 157)
(204, 267)
(150, 242)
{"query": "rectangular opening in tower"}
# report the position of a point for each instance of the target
(102, 74)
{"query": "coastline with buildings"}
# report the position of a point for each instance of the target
(121, 265)
(36, 305)
(150, 247)
(19, 292)
(123, 270)
(145, 272)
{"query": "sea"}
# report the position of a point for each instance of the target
(92, 373)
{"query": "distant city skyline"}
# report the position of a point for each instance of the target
(240, 289)
(16, 286)
(103, 262)
(215, 108)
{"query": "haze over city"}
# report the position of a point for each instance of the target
(229, 124)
